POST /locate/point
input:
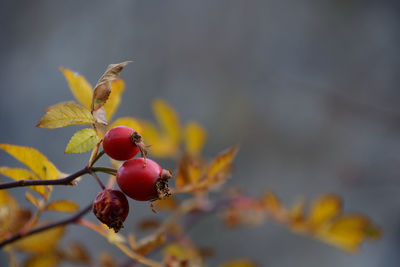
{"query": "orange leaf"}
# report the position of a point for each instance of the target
(222, 164)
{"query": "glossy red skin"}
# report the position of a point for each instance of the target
(137, 180)
(118, 145)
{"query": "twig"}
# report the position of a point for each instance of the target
(63, 181)
(72, 219)
(97, 158)
(97, 179)
(105, 170)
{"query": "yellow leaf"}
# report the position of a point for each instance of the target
(80, 87)
(167, 118)
(222, 163)
(65, 114)
(128, 122)
(195, 137)
(82, 141)
(169, 122)
(17, 173)
(63, 206)
(33, 159)
(22, 174)
(42, 242)
(160, 145)
(46, 260)
(347, 232)
(271, 202)
(239, 263)
(114, 99)
(103, 87)
(324, 209)
(32, 199)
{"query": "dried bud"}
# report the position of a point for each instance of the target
(111, 207)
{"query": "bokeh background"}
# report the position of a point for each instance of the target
(309, 88)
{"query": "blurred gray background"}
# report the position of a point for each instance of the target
(309, 88)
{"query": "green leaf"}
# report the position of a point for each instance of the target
(82, 141)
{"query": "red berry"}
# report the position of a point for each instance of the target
(119, 143)
(111, 207)
(143, 179)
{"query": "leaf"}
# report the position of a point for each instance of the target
(239, 263)
(128, 122)
(82, 141)
(189, 171)
(195, 137)
(80, 87)
(168, 119)
(348, 232)
(324, 209)
(33, 159)
(47, 260)
(271, 202)
(222, 163)
(42, 242)
(103, 87)
(65, 114)
(17, 173)
(160, 145)
(63, 206)
(114, 99)
(32, 199)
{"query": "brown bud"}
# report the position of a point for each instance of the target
(111, 207)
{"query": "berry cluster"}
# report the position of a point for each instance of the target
(141, 178)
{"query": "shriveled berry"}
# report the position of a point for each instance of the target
(143, 180)
(111, 207)
(122, 143)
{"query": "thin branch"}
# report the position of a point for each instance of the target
(72, 219)
(105, 170)
(97, 179)
(97, 158)
(63, 181)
